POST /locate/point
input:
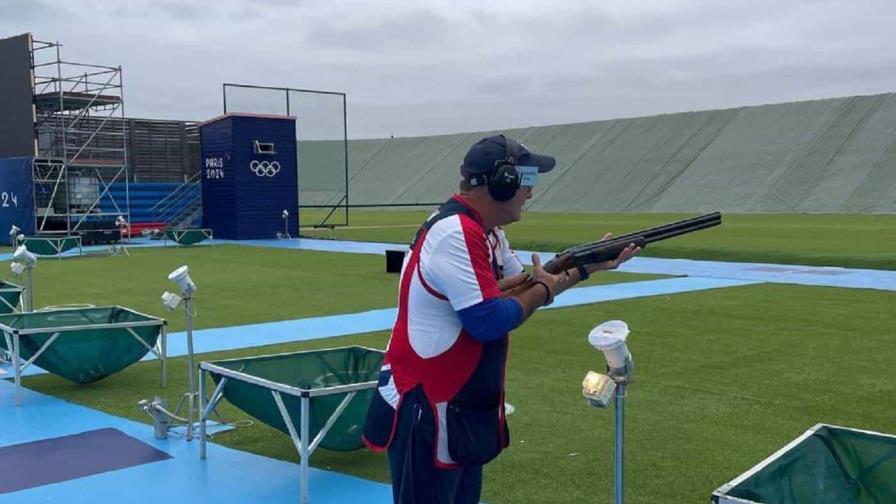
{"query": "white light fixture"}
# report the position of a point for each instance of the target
(598, 389)
(23, 260)
(181, 277)
(610, 338)
(22, 255)
(285, 234)
(170, 300)
(17, 268)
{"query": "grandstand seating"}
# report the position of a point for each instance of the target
(156, 205)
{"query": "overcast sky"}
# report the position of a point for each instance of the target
(423, 67)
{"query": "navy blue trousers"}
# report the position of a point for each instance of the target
(415, 478)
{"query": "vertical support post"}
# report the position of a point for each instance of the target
(345, 147)
(618, 445)
(17, 369)
(201, 414)
(34, 168)
(191, 402)
(163, 347)
(68, 200)
(305, 455)
(62, 113)
(29, 298)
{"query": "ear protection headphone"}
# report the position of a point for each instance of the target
(504, 178)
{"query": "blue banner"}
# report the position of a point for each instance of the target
(16, 197)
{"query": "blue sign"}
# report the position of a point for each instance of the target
(16, 197)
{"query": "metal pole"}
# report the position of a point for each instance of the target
(188, 305)
(306, 403)
(17, 368)
(617, 471)
(34, 183)
(30, 297)
(201, 414)
(124, 144)
(61, 106)
(345, 147)
(163, 346)
(65, 160)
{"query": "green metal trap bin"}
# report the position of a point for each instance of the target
(187, 236)
(82, 345)
(825, 465)
(317, 397)
(10, 296)
(51, 245)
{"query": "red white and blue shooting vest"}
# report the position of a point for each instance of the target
(453, 264)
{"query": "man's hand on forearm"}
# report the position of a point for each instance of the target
(544, 286)
(547, 285)
(627, 253)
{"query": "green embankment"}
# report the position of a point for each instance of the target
(818, 156)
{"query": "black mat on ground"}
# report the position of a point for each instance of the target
(53, 460)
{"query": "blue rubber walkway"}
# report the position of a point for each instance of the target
(850, 278)
(349, 247)
(226, 476)
(269, 333)
(853, 278)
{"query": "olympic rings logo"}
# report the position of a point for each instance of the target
(265, 168)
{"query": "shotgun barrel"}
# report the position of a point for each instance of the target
(607, 250)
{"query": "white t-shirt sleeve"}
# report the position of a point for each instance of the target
(455, 263)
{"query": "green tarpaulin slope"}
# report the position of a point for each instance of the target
(823, 156)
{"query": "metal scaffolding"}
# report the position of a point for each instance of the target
(81, 143)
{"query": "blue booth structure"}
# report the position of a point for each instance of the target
(249, 176)
(16, 197)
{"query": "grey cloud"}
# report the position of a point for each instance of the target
(182, 10)
(277, 3)
(28, 11)
(412, 69)
(403, 30)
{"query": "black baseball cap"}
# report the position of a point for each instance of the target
(484, 154)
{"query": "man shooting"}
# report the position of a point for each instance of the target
(439, 408)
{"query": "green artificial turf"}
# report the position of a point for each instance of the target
(723, 379)
(864, 241)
